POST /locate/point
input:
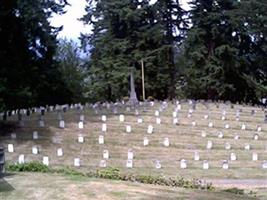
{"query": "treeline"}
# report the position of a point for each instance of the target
(216, 50)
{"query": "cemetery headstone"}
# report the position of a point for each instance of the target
(196, 156)
(77, 162)
(166, 142)
(35, 150)
(205, 164)
(129, 163)
(59, 152)
(13, 136)
(101, 139)
(103, 163)
(150, 129)
(46, 160)
(146, 141)
(158, 164)
(254, 156)
(183, 164)
(106, 154)
(225, 164)
(233, 156)
(104, 127)
(10, 148)
(35, 135)
(21, 159)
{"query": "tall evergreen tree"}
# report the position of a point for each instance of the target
(219, 49)
(28, 73)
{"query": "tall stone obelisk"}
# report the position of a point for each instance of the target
(133, 99)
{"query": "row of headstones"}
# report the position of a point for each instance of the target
(129, 162)
(130, 154)
(166, 140)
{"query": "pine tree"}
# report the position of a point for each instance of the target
(29, 74)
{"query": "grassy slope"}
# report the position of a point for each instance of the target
(31, 186)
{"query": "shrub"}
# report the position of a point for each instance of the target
(28, 167)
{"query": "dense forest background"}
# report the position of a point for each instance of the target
(216, 50)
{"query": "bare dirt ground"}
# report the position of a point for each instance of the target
(37, 186)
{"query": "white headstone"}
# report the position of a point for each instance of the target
(13, 136)
(10, 148)
(174, 114)
(59, 152)
(80, 125)
(80, 139)
(259, 128)
(61, 124)
(189, 115)
(129, 163)
(150, 129)
(175, 121)
(254, 156)
(210, 124)
(233, 156)
(82, 118)
(247, 147)
(227, 146)
(104, 118)
(243, 127)
(128, 129)
(264, 164)
(106, 154)
(77, 162)
(223, 118)
(158, 120)
(156, 113)
(46, 160)
(205, 164)
(41, 123)
(194, 123)
(166, 142)
(183, 164)
(130, 155)
(146, 141)
(139, 120)
(256, 137)
(206, 116)
(179, 107)
(236, 137)
(158, 165)
(203, 134)
(121, 118)
(225, 164)
(227, 126)
(220, 134)
(101, 139)
(21, 159)
(35, 150)
(104, 127)
(35, 135)
(209, 144)
(103, 163)
(196, 156)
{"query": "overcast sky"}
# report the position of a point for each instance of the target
(71, 26)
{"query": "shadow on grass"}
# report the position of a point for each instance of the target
(4, 185)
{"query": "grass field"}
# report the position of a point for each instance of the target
(28, 186)
(184, 138)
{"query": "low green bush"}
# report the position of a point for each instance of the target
(115, 174)
(235, 191)
(27, 167)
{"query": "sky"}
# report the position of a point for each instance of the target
(72, 27)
